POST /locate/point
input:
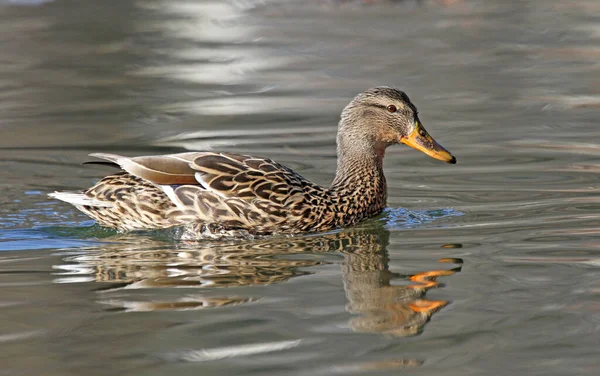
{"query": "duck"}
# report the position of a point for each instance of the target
(212, 195)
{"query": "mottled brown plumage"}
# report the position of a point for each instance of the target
(230, 195)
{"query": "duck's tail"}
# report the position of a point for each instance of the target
(80, 199)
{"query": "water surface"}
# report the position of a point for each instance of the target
(489, 266)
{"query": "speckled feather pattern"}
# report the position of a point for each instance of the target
(237, 196)
(137, 203)
(215, 195)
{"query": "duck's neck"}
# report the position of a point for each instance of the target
(357, 162)
(359, 176)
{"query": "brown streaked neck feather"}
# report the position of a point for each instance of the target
(358, 151)
(359, 176)
(358, 165)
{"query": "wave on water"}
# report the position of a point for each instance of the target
(400, 218)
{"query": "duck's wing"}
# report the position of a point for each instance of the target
(235, 190)
(248, 178)
(170, 169)
(245, 192)
(163, 170)
(225, 174)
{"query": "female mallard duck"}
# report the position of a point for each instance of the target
(227, 195)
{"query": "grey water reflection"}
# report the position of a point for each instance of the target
(510, 87)
(382, 300)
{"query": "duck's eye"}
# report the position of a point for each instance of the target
(391, 108)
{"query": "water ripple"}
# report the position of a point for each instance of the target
(400, 218)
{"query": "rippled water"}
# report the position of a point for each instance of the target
(487, 267)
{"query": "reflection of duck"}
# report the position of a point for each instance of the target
(398, 310)
(390, 309)
(383, 307)
(218, 195)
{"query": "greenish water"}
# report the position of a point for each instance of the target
(489, 266)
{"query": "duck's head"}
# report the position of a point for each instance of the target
(383, 116)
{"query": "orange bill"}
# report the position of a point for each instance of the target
(421, 140)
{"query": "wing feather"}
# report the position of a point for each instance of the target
(208, 207)
(170, 169)
(229, 190)
(248, 178)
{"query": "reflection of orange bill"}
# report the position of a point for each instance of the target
(427, 306)
(421, 140)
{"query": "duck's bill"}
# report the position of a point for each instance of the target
(422, 141)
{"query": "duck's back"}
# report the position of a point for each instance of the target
(212, 194)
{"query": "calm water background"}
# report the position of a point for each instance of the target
(501, 252)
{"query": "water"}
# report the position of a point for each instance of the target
(489, 266)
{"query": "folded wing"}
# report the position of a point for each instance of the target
(231, 190)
